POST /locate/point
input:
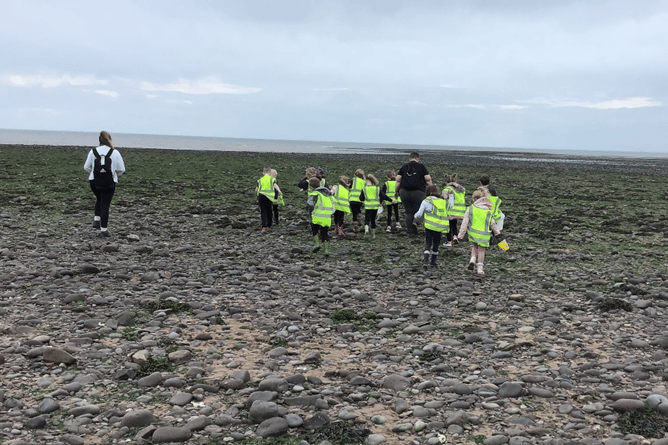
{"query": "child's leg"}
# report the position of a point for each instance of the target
(265, 210)
(389, 215)
(374, 215)
(324, 234)
(435, 244)
(315, 229)
(428, 242)
(367, 217)
(481, 255)
(275, 208)
(474, 255)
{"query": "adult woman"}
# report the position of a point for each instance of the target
(104, 165)
(412, 180)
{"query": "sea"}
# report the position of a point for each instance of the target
(158, 141)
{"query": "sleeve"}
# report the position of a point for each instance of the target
(451, 200)
(120, 165)
(303, 184)
(362, 195)
(383, 194)
(425, 206)
(88, 165)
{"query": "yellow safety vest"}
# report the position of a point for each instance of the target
(265, 186)
(459, 207)
(371, 197)
(437, 218)
(496, 202)
(479, 231)
(341, 201)
(356, 189)
(323, 211)
(390, 185)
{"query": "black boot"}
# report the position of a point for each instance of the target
(434, 259)
(425, 261)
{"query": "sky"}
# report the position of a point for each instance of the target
(580, 75)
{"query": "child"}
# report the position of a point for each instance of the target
(303, 183)
(320, 174)
(341, 203)
(355, 195)
(454, 194)
(388, 189)
(434, 210)
(322, 208)
(265, 197)
(372, 197)
(479, 225)
(497, 214)
(278, 196)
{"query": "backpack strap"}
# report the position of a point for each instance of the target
(97, 155)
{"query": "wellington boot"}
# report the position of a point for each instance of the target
(325, 245)
(316, 244)
(366, 230)
(479, 269)
(434, 259)
(373, 232)
(425, 260)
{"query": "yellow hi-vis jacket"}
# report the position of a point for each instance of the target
(265, 186)
(496, 202)
(341, 201)
(437, 219)
(371, 197)
(459, 207)
(390, 185)
(356, 189)
(479, 230)
(323, 211)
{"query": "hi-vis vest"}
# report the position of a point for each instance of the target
(437, 219)
(265, 186)
(341, 201)
(356, 189)
(390, 185)
(479, 231)
(323, 210)
(496, 202)
(459, 207)
(371, 197)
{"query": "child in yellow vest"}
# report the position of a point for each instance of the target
(372, 196)
(265, 197)
(497, 214)
(393, 206)
(322, 208)
(278, 196)
(356, 189)
(434, 211)
(341, 203)
(479, 225)
(454, 194)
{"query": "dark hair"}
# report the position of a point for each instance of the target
(484, 180)
(432, 190)
(415, 155)
(314, 182)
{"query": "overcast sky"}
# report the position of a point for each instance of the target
(562, 74)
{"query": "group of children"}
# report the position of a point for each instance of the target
(441, 211)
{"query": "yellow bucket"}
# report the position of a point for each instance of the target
(503, 245)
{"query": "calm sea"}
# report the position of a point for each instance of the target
(77, 138)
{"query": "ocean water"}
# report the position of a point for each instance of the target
(88, 139)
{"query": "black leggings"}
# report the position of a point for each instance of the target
(389, 213)
(339, 215)
(323, 230)
(370, 216)
(265, 210)
(102, 203)
(356, 208)
(453, 229)
(432, 240)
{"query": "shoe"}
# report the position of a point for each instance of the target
(96, 224)
(104, 234)
(471, 265)
(264, 229)
(366, 230)
(415, 230)
(425, 259)
(356, 223)
(373, 232)
(448, 244)
(326, 246)
(455, 240)
(479, 270)
(398, 226)
(341, 232)
(389, 229)
(316, 244)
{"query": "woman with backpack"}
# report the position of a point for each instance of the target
(104, 165)
(412, 180)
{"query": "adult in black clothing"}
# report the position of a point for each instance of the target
(412, 180)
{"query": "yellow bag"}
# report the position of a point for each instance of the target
(503, 245)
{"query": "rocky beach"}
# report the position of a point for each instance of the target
(190, 326)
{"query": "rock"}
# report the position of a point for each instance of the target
(395, 382)
(138, 418)
(275, 426)
(165, 434)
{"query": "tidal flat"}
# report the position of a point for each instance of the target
(171, 329)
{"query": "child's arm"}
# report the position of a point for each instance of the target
(384, 197)
(424, 207)
(495, 230)
(465, 224)
(278, 189)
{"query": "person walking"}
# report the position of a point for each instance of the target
(412, 180)
(104, 165)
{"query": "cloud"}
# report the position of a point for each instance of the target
(175, 101)
(331, 89)
(203, 85)
(512, 107)
(107, 93)
(51, 81)
(39, 112)
(614, 104)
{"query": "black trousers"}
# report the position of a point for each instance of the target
(432, 240)
(370, 216)
(356, 208)
(390, 208)
(275, 206)
(411, 200)
(339, 215)
(102, 203)
(265, 210)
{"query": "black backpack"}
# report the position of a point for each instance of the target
(103, 176)
(411, 180)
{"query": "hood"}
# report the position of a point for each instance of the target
(484, 203)
(456, 186)
(324, 190)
